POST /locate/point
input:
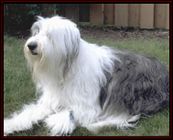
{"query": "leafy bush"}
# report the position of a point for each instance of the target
(19, 17)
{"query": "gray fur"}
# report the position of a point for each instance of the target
(138, 84)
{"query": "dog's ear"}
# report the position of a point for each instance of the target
(72, 40)
(72, 44)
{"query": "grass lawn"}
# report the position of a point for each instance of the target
(19, 89)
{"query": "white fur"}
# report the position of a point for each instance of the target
(74, 89)
(60, 123)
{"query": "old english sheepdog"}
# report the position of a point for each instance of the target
(83, 84)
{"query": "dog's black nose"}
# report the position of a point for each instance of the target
(32, 45)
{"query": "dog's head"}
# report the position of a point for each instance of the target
(54, 41)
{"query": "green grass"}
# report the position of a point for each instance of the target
(19, 89)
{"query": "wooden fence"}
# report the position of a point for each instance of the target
(144, 16)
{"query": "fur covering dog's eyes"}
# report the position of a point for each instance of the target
(35, 31)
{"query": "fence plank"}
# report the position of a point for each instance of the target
(121, 15)
(96, 14)
(108, 14)
(161, 15)
(167, 16)
(134, 15)
(147, 16)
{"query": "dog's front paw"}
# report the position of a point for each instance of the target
(60, 124)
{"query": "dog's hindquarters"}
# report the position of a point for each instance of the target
(139, 84)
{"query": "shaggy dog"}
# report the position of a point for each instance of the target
(83, 84)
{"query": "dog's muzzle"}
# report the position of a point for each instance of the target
(32, 46)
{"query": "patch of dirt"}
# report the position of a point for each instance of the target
(124, 34)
